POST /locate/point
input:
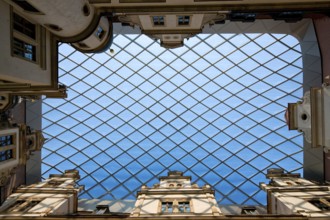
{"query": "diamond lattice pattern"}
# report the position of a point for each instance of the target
(213, 109)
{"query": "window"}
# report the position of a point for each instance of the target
(7, 147)
(24, 26)
(323, 204)
(100, 32)
(6, 155)
(249, 210)
(184, 206)
(158, 20)
(175, 206)
(23, 49)
(183, 20)
(167, 207)
(26, 6)
(22, 206)
(6, 140)
(102, 209)
(24, 43)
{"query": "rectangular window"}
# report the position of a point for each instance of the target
(184, 207)
(6, 140)
(102, 209)
(21, 206)
(25, 39)
(249, 210)
(24, 26)
(23, 49)
(323, 204)
(158, 20)
(183, 20)
(167, 207)
(6, 155)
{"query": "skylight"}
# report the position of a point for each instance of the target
(213, 109)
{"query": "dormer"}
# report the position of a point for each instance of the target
(175, 196)
(57, 195)
(278, 178)
(289, 194)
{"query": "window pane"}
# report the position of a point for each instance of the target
(24, 50)
(24, 26)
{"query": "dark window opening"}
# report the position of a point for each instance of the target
(24, 26)
(158, 20)
(6, 140)
(323, 204)
(2, 195)
(184, 206)
(183, 20)
(6, 155)
(100, 32)
(102, 209)
(167, 207)
(249, 210)
(22, 206)
(24, 50)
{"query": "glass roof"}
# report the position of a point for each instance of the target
(213, 109)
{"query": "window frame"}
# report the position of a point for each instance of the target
(160, 21)
(175, 206)
(100, 32)
(27, 42)
(249, 210)
(8, 149)
(183, 20)
(7, 140)
(185, 208)
(324, 202)
(22, 205)
(166, 208)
